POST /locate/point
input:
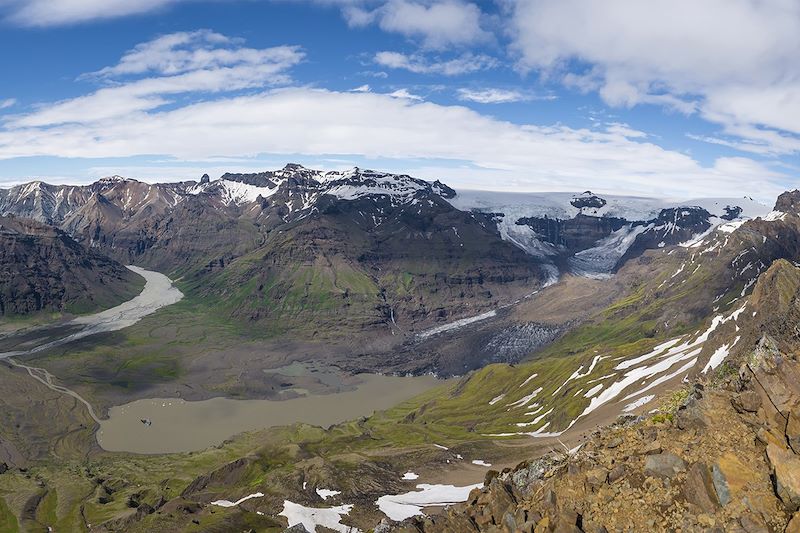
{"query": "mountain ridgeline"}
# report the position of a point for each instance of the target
(353, 250)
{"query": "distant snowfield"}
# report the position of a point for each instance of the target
(600, 260)
(158, 292)
(401, 506)
(557, 205)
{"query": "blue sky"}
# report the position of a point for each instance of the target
(667, 98)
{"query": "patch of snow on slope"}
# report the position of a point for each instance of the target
(774, 215)
(327, 493)
(528, 380)
(496, 399)
(311, 517)
(638, 403)
(719, 355)
(688, 350)
(730, 227)
(455, 325)
(228, 503)
(241, 193)
(594, 390)
(535, 420)
(525, 399)
(398, 507)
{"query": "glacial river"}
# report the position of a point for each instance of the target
(167, 425)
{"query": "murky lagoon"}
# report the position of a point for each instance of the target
(173, 425)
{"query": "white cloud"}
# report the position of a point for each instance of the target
(439, 24)
(181, 63)
(403, 93)
(491, 96)
(494, 153)
(8, 102)
(464, 64)
(58, 12)
(362, 89)
(734, 61)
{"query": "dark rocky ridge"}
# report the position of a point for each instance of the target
(43, 269)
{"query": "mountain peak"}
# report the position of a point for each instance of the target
(788, 202)
(113, 180)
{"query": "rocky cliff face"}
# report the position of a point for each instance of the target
(43, 269)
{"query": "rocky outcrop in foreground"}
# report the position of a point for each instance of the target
(720, 455)
(726, 459)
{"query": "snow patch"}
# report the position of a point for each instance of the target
(228, 503)
(455, 325)
(638, 403)
(398, 507)
(326, 493)
(311, 517)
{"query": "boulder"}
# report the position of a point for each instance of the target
(690, 416)
(616, 473)
(664, 465)
(297, 528)
(596, 477)
(699, 488)
(730, 477)
(786, 469)
(746, 402)
(652, 448)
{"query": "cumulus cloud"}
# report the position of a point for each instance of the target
(466, 63)
(404, 93)
(59, 12)
(493, 95)
(734, 61)
(438, 24)
(304, 121)
(174, 64)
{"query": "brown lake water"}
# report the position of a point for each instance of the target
(181, 426)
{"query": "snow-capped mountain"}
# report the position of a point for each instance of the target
(583, 233)
(590, 234)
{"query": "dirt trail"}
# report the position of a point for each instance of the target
(158, 292)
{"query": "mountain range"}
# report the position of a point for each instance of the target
(358, 248)
(557, 312)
